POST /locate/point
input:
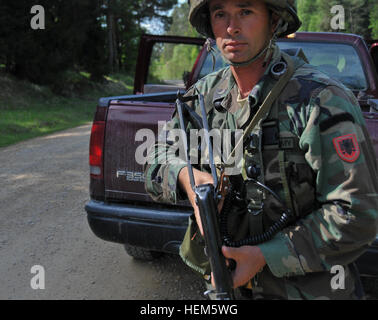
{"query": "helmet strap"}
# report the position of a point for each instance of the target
(211, 50)
(266, 50)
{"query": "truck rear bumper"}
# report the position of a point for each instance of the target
(141, 226)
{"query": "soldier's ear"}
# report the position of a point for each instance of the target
(274, 19)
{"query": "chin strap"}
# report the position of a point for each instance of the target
(267, 50)
(210, 49)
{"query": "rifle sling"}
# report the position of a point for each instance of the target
(269, 100)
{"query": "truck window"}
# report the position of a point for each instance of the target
(339, 61)
(208, 66)
(170, 65)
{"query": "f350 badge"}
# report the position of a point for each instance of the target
(131, 175)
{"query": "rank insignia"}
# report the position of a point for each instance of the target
(347, 147)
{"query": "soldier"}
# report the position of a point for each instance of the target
(309, 146)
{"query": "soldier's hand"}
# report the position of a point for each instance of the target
(199, 178)
(249, 261)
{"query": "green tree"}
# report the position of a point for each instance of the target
(124, 21)
(71, 39)
(357, 17)
(360, 15)
(173, 61)
(76, 36)
(180, 23)
(306, 11)
(374, 19)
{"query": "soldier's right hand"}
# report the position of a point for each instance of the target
(200, 177)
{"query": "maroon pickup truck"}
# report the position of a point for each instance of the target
(119, 209)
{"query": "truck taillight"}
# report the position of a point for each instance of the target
(96, 147)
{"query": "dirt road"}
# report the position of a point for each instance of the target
(43, 190)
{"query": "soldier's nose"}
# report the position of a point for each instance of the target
(233, 26)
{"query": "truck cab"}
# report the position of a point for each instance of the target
(119, 209)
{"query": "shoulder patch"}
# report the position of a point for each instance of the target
(347, 147)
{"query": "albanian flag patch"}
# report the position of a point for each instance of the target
(347, 147)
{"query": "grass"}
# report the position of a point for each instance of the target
(28, 110)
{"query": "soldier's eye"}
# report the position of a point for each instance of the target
(246, 12)
(218, 15)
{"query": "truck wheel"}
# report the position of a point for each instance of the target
(141, 253)
(370, 286)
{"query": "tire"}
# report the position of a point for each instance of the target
(141, 253)
(370, 285)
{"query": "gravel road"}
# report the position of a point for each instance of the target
(44, 187)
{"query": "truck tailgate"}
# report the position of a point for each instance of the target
(124, 178)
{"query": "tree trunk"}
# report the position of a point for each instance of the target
(112, 39)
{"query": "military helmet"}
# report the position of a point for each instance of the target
(199, 15)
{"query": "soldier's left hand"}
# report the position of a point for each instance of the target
(249, 261)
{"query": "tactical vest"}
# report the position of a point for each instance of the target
(273, 157)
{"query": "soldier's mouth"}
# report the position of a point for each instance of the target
(234, 46)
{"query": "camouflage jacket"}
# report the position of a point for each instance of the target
(328, 161)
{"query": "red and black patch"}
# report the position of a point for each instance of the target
(347, 147)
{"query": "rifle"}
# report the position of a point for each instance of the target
(206, 199)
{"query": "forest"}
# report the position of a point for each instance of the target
(101, 37)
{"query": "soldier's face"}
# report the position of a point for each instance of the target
(241, 28)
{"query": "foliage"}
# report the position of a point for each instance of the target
(374, 19)
(361, 16)
(76, 37)
(180, 23)
(174, 61)
(40, 55)
(28, 110)
(102, 36)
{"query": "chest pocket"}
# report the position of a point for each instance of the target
(286, 170)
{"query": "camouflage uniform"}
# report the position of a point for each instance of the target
(330, 167)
